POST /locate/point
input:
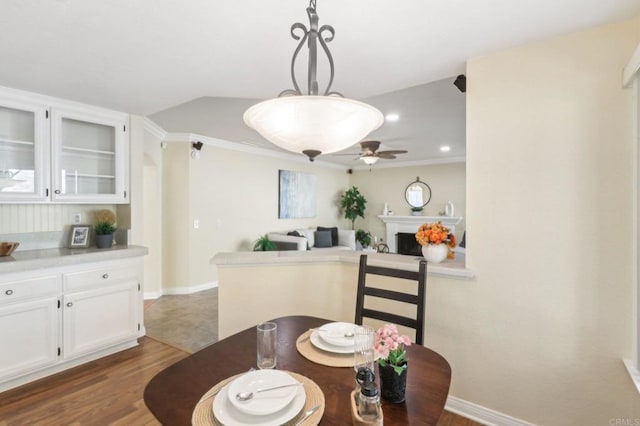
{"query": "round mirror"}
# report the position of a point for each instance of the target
(417, 194)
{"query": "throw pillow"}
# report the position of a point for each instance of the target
(334, 234)
(322, 238)
(297, 234)
(308, 234)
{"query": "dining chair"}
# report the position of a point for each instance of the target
(416, 299)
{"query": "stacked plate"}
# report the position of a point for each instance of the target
(273, 407)
(335, 337)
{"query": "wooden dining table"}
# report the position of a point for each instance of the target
(174, 392)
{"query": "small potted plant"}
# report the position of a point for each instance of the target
(104, 228)
(363, 238)
(264, 244)
(416, 211)
(391, 357)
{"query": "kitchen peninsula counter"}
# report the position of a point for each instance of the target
(259, 286)
(451, 268)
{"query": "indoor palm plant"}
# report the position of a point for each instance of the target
(104, 228)
(391, 357)
(353, 205)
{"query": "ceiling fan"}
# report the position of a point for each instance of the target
(370, 153)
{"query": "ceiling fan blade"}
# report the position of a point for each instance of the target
(393, 151)
(370, 146)
(385, 155)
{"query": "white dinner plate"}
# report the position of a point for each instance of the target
(262, 403)
(317, 341)
(334, 333)
(228, 415)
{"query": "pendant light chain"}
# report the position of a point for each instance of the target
(311, 37)
(316, 122)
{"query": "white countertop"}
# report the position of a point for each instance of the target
(449, 268)
(28, 260)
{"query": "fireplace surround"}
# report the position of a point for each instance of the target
(410, 224)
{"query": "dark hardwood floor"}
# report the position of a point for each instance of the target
(105, 391)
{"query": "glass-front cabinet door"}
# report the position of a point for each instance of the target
(89, 157)
(24, 143)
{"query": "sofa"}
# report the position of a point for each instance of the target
(320, 238)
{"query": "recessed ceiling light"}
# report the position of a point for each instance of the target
(391, 117)
(445, 148)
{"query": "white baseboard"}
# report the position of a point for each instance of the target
(482, 414)
(152, 295)
(633, 372)
(180, 290)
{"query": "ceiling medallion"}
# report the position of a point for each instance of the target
(313, 123)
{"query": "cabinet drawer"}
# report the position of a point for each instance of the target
(30, 288)
(77, 281)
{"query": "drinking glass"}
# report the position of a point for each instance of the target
(266, 343)
(363, 341)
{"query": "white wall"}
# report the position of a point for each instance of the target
(541, 332)
(24, 218)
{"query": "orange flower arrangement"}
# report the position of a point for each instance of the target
(435, 233)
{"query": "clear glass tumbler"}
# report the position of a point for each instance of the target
(267, 345)
(363, 341)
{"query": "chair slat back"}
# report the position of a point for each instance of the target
(418, 299)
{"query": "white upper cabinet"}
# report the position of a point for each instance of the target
(89, 156)
(57, 151)
(24, 143)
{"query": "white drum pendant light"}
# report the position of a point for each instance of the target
(313, 124)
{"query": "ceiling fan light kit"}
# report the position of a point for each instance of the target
(370, 153)
(314, 123)
(369, 159)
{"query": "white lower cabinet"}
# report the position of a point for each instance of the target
(29, 335)
(57, 318)
(96, 319)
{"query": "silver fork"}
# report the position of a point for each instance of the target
(307, 414)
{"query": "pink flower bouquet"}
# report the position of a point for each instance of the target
(389, 348)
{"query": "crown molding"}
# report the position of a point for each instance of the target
(395, 164)
(151, 127)
(248, 148)
(53, 102)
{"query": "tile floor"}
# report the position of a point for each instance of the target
(187, 322)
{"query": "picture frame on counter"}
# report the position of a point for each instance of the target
(79, 237)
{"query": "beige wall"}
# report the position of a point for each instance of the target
(176, 247)
(234, 196)
(314, 289)
(388, 185)
(541, 333)
(152, 206)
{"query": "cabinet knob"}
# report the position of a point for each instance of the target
(57, 191)
(105, 276)
(69, 304)
(8, 292)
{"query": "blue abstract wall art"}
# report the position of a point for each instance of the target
(297, 195)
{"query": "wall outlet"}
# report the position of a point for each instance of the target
(196, 224)
(77, 218)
